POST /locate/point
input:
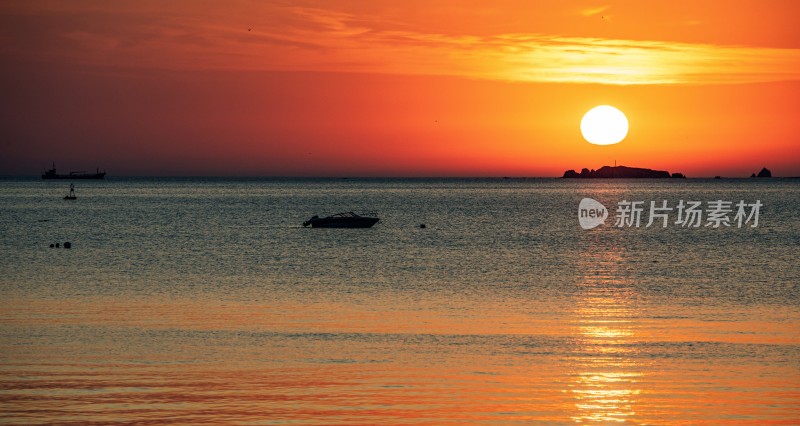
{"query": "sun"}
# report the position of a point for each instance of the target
(604, 125)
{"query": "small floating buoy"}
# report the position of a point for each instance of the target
(67, 245)
(57, 246)
(422, 226)
(71, 195)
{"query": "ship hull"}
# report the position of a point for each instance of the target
(91, 176)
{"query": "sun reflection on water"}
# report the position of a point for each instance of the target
(605, 383)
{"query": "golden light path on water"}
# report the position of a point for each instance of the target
(606, 381)
(208, 362)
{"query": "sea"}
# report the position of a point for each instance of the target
(205, 301)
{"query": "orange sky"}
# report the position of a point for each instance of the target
(416, 88)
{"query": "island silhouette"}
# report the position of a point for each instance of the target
(623, 172)
(763, 173)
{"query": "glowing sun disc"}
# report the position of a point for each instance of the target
(604, 125)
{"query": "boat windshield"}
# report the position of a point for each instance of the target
(352, 214)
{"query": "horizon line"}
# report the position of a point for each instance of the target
(345, 177)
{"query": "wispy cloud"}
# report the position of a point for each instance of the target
(595, 60)
(594, 10)
(534, 57)
(309, 39)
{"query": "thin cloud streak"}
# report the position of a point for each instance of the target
(594, 10)
(594, 60)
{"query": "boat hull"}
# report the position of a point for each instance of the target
(340, 222)
(87, 176)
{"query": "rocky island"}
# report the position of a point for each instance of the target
(763, 173)
(623, 172)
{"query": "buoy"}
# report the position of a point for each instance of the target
(71, 195)
(422, 226)
(67, 245)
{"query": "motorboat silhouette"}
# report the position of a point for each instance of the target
(343, 220)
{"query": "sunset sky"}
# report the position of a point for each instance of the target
(411, 88)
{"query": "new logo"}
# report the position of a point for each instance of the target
(591, 213)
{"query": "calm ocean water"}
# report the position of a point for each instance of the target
(203, 301)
